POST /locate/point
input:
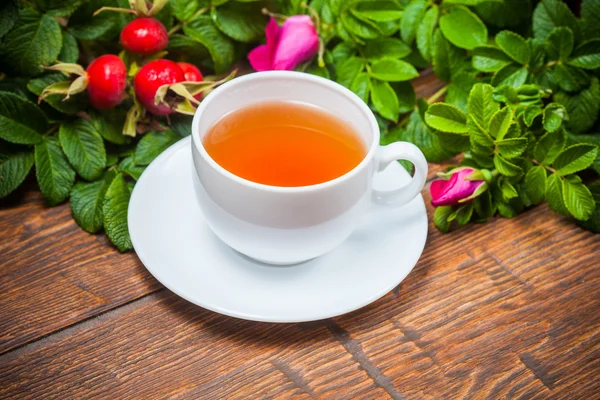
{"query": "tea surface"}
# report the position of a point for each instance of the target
(284, 144)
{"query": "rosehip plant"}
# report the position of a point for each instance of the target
(92, 91)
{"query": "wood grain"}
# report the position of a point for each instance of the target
(53, 274)
(507, 309)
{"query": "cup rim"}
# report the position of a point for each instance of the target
(290, 75)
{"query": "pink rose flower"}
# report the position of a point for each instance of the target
(457, 189)
(296, 41)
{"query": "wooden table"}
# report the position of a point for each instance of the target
(508, 309)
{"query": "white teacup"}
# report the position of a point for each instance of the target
(288, 225)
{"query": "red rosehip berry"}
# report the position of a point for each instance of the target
(107, 79)
(151, 77)
(144, 36)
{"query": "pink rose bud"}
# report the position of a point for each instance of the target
(460, 188)
(295, 42)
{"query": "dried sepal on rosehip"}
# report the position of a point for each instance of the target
(181, 97)
(105, 80)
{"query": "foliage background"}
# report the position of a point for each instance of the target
(535, 66)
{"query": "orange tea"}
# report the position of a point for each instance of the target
(284, 144)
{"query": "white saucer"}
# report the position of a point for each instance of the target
(175, 244)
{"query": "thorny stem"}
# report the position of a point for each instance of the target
(547, 65)
(317, 20)
(274, 15)
(545, 166)
(437, 95)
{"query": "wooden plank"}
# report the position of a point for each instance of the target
(507, 309)
(473, 320)
(163, 347)
(53, 274)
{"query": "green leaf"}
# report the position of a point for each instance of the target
(508, 190)
(575, 158)
(593, 223)
(360, 86)
(380, 10)
(569, 78)
(57, 8)
(538, 52)
(109, 123)
(589, 139)
(457, 97)
(186, 48)
(129, 167)
(554, 195)
(384, 47)
(583, 108)
(111, 159)
(83, 147)
(15, 163)
(511, 75)
(447, 59)
(464, 214)
(446, 118)
(425, 32)
(385, 100)
(554, 114)
(71, 106)
(116, 202)
(483, 206)
(323, 72)
(515, 46)
(590, 15)
(550, 14)
(530, 114)
(34, 41)
(184, 10)
(549, 147)
(363, 28)
(181, 124)
(578, 199)
(481, 105)
(87, 200)
(511, 148)
(587, 55)
(535, 184)
(393, 70)
(413, 14)
(221, 48)
(388, 28)
(69, 53)
(54, 174)
(20, 120)
(9, 13)
(502, 13)
(560, 43)
(106, 25)
(463, 28)
(489, 59)
(244, 23)
(152, 144)
(506, 167)
(349, 70)
(344, 50)
(406, 96)
(418, 133)
(440, 218)
(500, 122)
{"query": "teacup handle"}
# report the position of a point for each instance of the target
(401, 151)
